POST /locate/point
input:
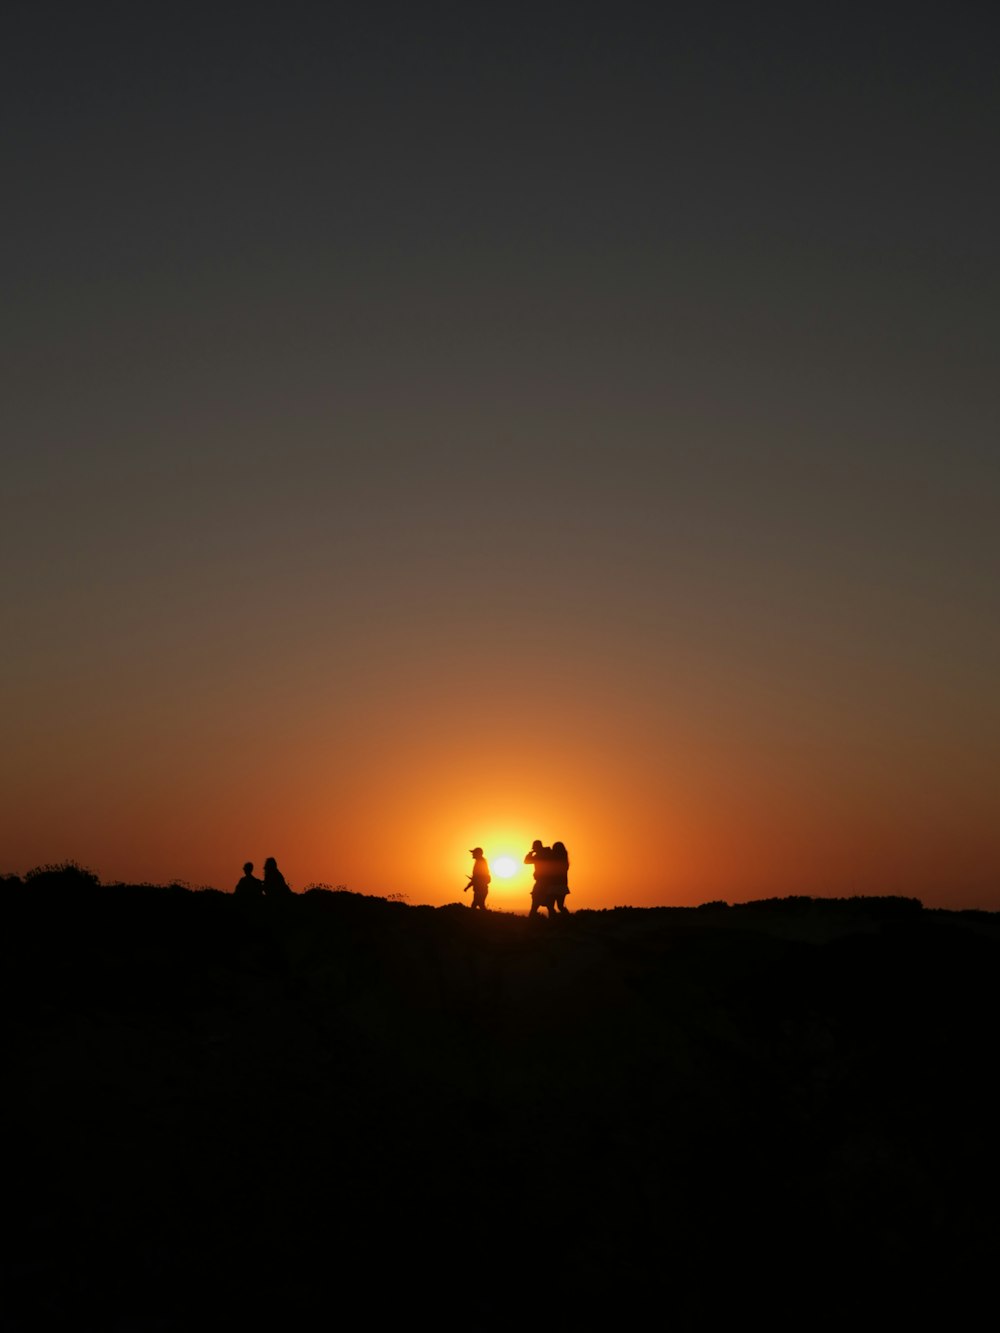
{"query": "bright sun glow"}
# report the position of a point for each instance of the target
(503, 867)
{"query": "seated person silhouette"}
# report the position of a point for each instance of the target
(275, 885)
(249, 886)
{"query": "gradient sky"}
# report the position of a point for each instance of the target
(433, 425)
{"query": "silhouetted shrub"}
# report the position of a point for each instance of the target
(889, 904)
(795, 901)
(67, 874)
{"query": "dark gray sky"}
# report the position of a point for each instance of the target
(622, 375)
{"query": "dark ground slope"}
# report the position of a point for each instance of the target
(354, 1108)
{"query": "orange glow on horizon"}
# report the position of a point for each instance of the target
(665, 805)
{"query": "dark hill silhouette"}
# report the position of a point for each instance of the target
(335, 1102)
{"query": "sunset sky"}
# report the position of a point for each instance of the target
(435, 425)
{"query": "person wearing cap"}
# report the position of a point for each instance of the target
(479, 879)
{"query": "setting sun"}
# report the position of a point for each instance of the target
(504, 867)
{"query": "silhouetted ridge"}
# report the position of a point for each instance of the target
(223, 1114)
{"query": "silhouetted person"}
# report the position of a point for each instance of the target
(275, 885)
(559, 882)
(249, 886)
(480, 878)
(540, 857)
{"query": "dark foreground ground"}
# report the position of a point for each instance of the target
(355, 1111)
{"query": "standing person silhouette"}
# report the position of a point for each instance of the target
(560, 877)
(540, 857)
(479, 879)
(275, 884)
